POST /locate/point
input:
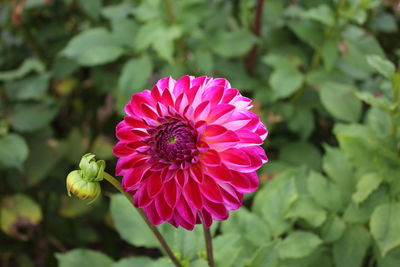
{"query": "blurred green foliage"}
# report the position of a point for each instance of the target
(323, 80)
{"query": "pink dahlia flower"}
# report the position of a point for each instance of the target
(189, 149)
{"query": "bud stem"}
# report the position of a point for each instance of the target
(114, 182)
(208, 239)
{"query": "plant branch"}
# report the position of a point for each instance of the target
(251, 57)
(114, 182)
(208, 239)
(170, 12)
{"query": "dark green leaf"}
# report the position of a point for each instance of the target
(298, 245)
(384, 226)
(82, 258)
(13, 152)
(350, 250)
(93, 47)
(235, 43)
(340, 101)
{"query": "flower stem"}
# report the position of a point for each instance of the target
(114, 182)
(208, 239)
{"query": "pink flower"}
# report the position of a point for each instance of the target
(189, 149)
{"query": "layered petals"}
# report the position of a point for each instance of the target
(189, 149)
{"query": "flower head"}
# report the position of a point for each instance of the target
(189, 149)
(84, 183)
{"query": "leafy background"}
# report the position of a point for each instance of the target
(322, 74)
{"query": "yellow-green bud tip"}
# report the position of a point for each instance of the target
(81, 188)
(84, 183)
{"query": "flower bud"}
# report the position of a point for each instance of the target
(77, 186)
(92, 170)
(84, 183)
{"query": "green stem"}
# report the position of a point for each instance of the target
(395, 101)
(208, 239)
(114, 182)
(170, 12)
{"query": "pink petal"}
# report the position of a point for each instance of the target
(220, 172)
(121, 149)
(220, 111)
(171, 193)
(154, 184)
(210, 189)
(202, 110)
(248, 138)
(163, 209)
(152, 214)
(182, 85)
(206, 218)
(192, 194)
(167, 99)
(196, 172)
(217, 210)
(141, 198)
(213, 94)
(210, 158)
(149, 112)
(234, 157)
(131, 180)
(185, 211)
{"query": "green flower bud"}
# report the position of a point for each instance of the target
(84, 183)
(77, 186)
(92, 170)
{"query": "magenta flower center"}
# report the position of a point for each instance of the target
(173, 141)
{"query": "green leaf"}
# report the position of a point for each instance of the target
(32, 87)
(226, 249)
(13, 152)
(339, 169)
(235, 43)
(44, 154)
(147, 34)
(18, 213)
(302, 122)
(27, 66)
(93, 47)
(124, 31)
(321, 14)
(143, 262)
(381, 65)
(266, 255)
(121, 10)
(333, 229)
(92, 8)
(309, 32)
(384, 226)
(305, 208)
(133, 78)
(163, 44)
(275, 199)
(298, 245)
(285, 82)
(330, 53)
(324, 192)
(340, 101)
(129, 224)
(29, 117)
(250, 226)
(83, 258)
(301, 153)
(362, 212)
(366, 185)
(350, 250)
(187, 243)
